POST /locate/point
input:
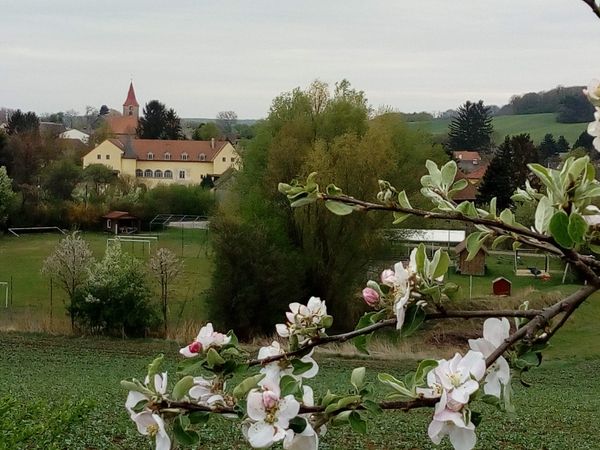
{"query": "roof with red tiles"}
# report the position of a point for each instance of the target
(122, 124)
(131, 100)
(169, 150)
(466, 155)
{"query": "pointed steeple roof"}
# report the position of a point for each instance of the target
(131, 100)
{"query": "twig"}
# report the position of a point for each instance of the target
(594, 6)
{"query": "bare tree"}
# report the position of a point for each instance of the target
(165, 266)
(69, 264)
(226, 121)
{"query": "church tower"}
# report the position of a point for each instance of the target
(131, 107)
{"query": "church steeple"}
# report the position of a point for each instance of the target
(131, 107)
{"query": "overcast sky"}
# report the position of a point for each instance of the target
(201, 56)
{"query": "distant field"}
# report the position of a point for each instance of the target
(22, 259)
(537, 125)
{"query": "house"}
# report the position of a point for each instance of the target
(467, 161)
(501, 286)
(155, 161)
(121, 222)
(75, 134)
(474, 267)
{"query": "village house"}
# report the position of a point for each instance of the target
(155, 161)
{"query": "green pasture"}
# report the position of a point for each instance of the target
(21, 259)
(537, 125)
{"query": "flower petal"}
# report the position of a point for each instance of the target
(496, 330)
(261, 434)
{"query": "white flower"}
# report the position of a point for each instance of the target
(401, 280)
(206, 392)
(206, 338)
(495, 332)
(593, 129)
(301, 317)
(447, 422)
(593, 90)
(308, 439)
(269, 415)
(151, 424)
(458, 378)
(277, 369)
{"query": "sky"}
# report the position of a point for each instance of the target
(201, 57)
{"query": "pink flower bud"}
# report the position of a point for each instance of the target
(270, 399)
(371, 296)
(195, 347)
(388, 277)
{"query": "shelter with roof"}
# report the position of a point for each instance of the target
(475, 266)
(121, 222)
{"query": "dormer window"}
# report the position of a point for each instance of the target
(184, 156)
(167, 156)
(150, 156)
(475, 162)
(202, 157)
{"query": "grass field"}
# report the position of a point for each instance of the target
(537, 125)
(21, 259)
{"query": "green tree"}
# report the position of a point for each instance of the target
(575, 108)
(6, 194)
(548, 147)
(206, 132)
(471, 128)
(99, 175)
(158, 122)
(23, 123)
(60, 177)
(562, 145)
(507, 170)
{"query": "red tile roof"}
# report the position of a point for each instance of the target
(466, 155)
(118, 215)
(122, 124)
(158, 147)
(131, 100)
(478, 173)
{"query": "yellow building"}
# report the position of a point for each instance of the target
(154, 161)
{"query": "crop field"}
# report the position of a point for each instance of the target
(537, 125)
(34, 303)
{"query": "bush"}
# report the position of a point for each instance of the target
(176, 199)
(116, 298)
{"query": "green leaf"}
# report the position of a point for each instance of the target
(357, 423)
(507, 217)
(420, 258)
(442, 264)
(577, 228)
(499, 240)
(136, 386)
(559, 229)
(413, 319)
(183, 436)
(338, 208)
(213, 358)
(395, 384)
(458, 186)
(154, 366)
(474, 243)
(198, 417)
(399, 217)
(246, 385)
(434, 172)
(298, 424)
(423, 369)
(182, 387)
(332, 189)
(372, 407)
(358, 377)
(543, 214)
(307, 200)
(289, 386)
(327, 321)
(300, 366)
(403, 200)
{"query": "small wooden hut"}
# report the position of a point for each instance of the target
(501, 286)
(121, 222)
(474, 267)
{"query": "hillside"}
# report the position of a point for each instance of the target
(537, 125)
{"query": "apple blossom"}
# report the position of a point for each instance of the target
(151, 424)
(447, 422)
(206, 392)
(495, 332)
(371, 296)
(593, 129)
(206, 338)
(308, 439)
(302, 317)
(593, 91)
(277, 369)
(458, 378)
(269, 415)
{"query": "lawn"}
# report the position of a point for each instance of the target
(21, 259)
(537, 125)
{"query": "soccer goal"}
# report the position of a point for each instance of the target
(4, 284)
(122, 240)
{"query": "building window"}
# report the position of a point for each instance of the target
(182, 174)
(99, 157)
(202, 157)
(475, 162)
(232, 159)
(167, 156)
(168, 174)
(139, 173)
(158, 174)
(108, 223)
(150, 156)
(107, 156)
(184, 156)
(224, 159)
(148, 173)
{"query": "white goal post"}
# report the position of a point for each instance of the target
(120, 239)
(6, 288)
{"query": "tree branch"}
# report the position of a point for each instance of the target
(594, 6)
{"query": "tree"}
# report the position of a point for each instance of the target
(6, 194)
(562, 145)
(206, 132)
(575, 109)
(586, 141)
(471, 129)
(548, 147)
(69, 264)
(507, 170)
(99, 175)
(23, 123)
(166, 267)
(226, 121)
(60, 177)
(158, 122)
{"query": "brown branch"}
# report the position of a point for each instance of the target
(594, 6)
(528, 314)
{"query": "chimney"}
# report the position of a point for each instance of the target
(212, 143)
